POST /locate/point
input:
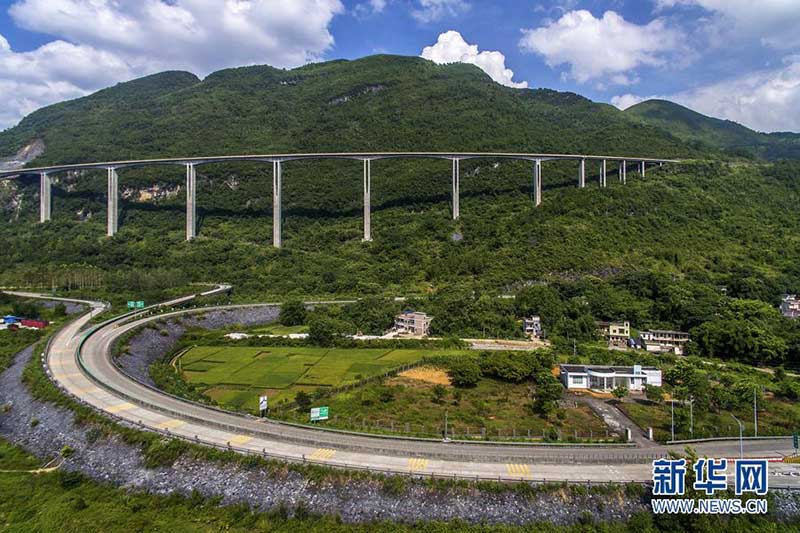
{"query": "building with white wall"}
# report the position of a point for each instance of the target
(607, 378)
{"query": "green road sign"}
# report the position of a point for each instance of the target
(131, 305)
(319, 413)
(140, 304)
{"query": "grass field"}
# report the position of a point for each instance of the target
(235, 376)
(408, 404)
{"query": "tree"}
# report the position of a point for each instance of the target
(546, 392)
(293, 313)
(439, 392)
(322, 331)
(303, 400)
(653, 393)
(464, 372)
(620, 392)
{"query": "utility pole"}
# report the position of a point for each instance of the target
(755, 411)
(741, 436)
(691, 415)
(445, 427)
(672, 404)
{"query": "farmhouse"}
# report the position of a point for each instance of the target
(532, 327)
(790, 306)
(413, 323)
(664, 341)
(606, 378)
(617, 333)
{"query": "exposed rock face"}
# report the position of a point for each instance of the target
(25, 155)
(149, 194)
(357, 92)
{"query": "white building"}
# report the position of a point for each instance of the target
(532, 327)
(664, 341)
(413, 322)
(790, 306)
(607, 378)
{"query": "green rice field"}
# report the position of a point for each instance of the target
(235, 376)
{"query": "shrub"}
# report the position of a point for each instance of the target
(464, 372)
(293, 313)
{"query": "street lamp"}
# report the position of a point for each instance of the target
(672, 406)
(741, 433)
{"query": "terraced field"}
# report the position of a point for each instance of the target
(236, 376)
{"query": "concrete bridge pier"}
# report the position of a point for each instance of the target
(456, 188)
(641, 169)
(191, 202)
(113, 202)
(537, 182)
(367, 196)
(276, 204)
(582, 174)
(623, 170)
(45, 186)
(603, 168)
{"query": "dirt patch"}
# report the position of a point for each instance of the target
(428, 374)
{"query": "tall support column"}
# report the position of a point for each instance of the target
(623, 168)
(45, 186)
(113, 202)
(603, 167)
(641, 168)
(191, 202)
(367, 199)
(456, 188)
(582, 174)
(537, 182)
(276, 204)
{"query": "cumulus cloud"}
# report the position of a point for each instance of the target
(451, 47)
(605, 49)
(433, 10)
(100, 42)
(624, 101)
(767, 100)
(774, 22)
(370, 7)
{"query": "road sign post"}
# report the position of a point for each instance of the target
(319, 413)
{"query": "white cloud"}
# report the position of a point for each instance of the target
(451, 47)
(605, 49)
(768, 100)
(432, 10)
(370, 7)
(774, 22)
(100, 42)
(765, 101)
(625, 101)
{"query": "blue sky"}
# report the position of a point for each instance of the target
(736, 59)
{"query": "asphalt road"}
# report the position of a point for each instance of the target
(99, 383)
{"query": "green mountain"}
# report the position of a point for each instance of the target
(376, 103)
(657, 251)
(708, 133)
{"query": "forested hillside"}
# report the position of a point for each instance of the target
(709, 243)
(707, 133)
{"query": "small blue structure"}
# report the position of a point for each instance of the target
(10, 319)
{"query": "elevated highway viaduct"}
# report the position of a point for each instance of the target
(278, 161)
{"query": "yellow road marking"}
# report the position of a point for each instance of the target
(240, 440)
(170, 424)
(120, 407)
(322, 453)
(417, 464)
(518, 470)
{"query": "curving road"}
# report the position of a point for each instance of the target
(80, 363)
